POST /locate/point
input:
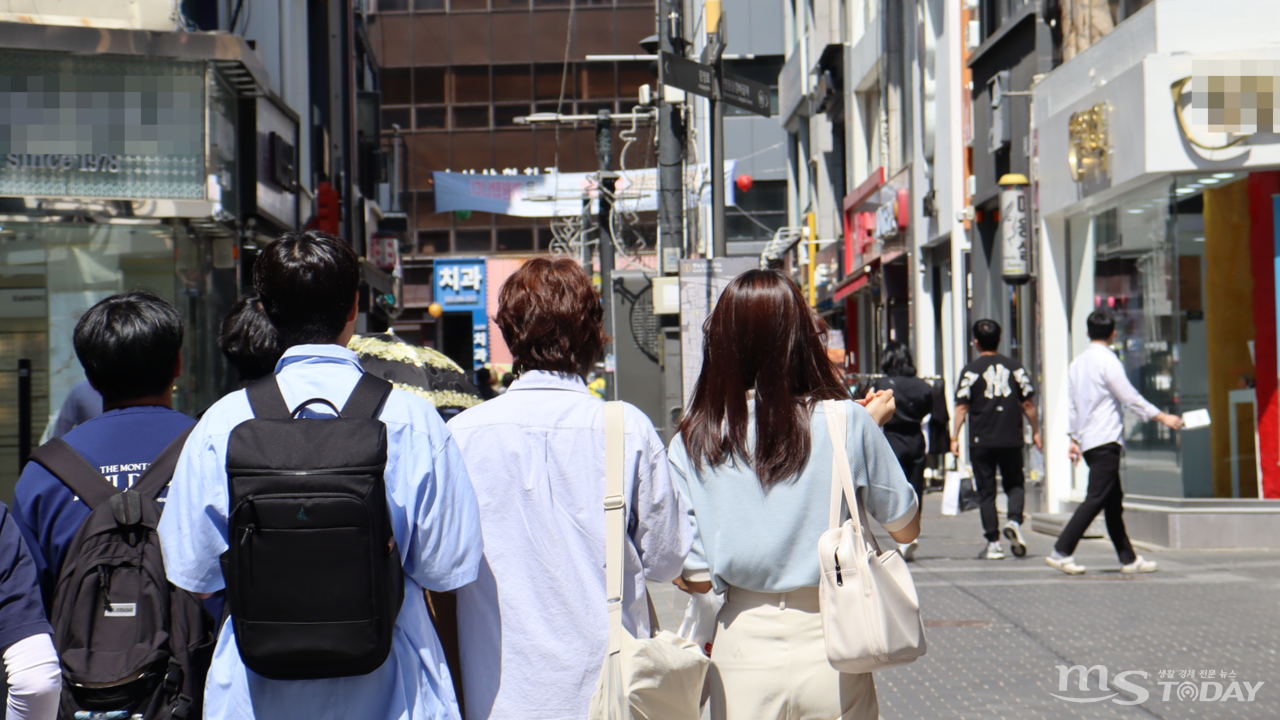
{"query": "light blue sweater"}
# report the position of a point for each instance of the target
(766, 539)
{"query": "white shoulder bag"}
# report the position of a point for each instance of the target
(870, 610)
(658, 678)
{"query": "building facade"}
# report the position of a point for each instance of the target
(161, 158)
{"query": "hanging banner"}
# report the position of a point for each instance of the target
(1016, 267)
(561, 194)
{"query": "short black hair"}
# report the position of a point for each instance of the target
(307, 282)
(1101, 324)
(129, 345)
(897, 360)
(248, 339)
(987, 333)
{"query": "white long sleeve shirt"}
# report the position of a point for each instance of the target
(1098, 391)
(534, 628)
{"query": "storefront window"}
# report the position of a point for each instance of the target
(50, 273)
(1186, 267)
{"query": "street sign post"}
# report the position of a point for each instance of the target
(689, 75)
(746, 94)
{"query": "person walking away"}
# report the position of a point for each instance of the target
(996, 391)
(130, 347)
(753, 460)
(1098, 390)
(248, 340)
(533, 629)
(913, 399)
(26, 643)
(81, 405)
(308, 283)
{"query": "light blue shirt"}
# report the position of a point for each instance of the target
(534, 628)
(766, 539)
(436, 524)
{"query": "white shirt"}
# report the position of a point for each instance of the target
(533, 628)
(1098, 390)
(434, 517)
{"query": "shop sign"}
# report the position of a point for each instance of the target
(460, 287)
(23, 302)
(1088, 141)
(892, 217)
(101, 126)
(1016, 268)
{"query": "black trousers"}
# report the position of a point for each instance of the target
(985, 460)
(909, 449)
(1104, 495)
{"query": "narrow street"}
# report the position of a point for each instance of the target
(997, 630)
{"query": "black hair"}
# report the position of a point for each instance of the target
(1101, 324)
(507, 379)
(248, 339)
(484, 376)
(307, 282)
(129, 345)
(897, 360)
(987, 333)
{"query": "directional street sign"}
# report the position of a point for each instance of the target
(688, 75)
(746, 94)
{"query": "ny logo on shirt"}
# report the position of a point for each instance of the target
(997, 381)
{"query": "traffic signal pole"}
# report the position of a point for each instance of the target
(714, 56)
(608, 182)
(670, 139)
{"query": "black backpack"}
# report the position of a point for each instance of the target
(127, 639)
(314, 578)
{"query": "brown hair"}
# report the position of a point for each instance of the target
(550, 317)
(762, 335)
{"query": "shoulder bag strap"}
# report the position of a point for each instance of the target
(842, 483)
(368, 397)
(615, 523)
(158, 474)
(75, 472)
(265, 399)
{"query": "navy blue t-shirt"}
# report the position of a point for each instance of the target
(21, 612)
(121, 444)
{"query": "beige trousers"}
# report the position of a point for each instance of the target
(769, 662)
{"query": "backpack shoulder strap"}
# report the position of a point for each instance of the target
(265, 399)
(368, 397)
(75, 472)
(158, 474)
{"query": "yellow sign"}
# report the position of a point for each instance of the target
(1088, 147)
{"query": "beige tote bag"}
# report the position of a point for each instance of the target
(870, 610)
(658, 678)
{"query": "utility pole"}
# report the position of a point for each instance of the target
(608, 181)
(713, 55)
(670, 139)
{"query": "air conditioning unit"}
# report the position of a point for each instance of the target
(973, 35)
(158, 15)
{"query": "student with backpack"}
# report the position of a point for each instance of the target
(88, 505)
(325, 502)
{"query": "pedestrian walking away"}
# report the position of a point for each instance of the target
(414, 527)
(996, 391)
(534, 628)
(88, 507)
(1098, 391)
(913, 400)
(26, 643)
(753, 458)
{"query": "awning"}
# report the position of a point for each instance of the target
(859, 278)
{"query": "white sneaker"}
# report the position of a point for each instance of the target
(994, 551)
(1067, 565)
(1141, 565)
(909, 550)
(1013, 533)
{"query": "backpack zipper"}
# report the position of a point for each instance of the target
(104, 582)
(253, 472)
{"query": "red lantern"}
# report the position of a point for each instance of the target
(744, 183)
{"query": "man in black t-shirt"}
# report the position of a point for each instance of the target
(997, 392)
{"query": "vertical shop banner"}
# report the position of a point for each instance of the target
(460, 287)
(701, 283)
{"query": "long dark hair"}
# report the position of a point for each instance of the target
(897, 360)
(762, 335)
